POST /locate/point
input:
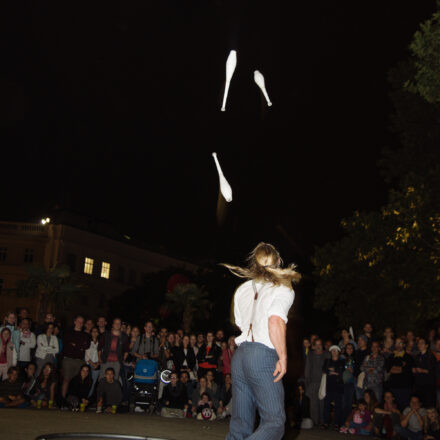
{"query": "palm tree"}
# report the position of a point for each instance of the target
(191, 301)
(52, 287)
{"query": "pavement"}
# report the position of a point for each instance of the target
(16, 424)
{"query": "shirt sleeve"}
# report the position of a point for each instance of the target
(281, 303)
(237, 316)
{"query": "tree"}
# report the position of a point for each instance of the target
(53, 287)
(189, 301)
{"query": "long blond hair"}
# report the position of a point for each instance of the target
(264, 264)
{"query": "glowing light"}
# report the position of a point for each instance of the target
(225, 188)
(88, 266)
(105, 270)
(231, 63)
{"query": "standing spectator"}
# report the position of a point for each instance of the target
(91, 357)
(174, 398)
(424, 374)
(147, 345)
(328, 343)
(75, 344)
(313, 375)
(88, 325)
(193, 343)
(129, 362)
(386, 416)
(313, 338)
(334, 392)
(109, 391)
(411, 344)
(348, 379)
(346, 339)
(432, 425)
(11, 395)
(368, 334)
(27, 343)
(306, 347)
(47, 348)
(180, 333)
(359, 356)
(373, 367)
(101, 323)
(201, 339)
(6, 353)
(219, 337)
(23, 313)
(225, 398)
(49, 318)
(399, 367)
(45, 385)
(184, 358)
(431, 339)
(413, 421)
(79, 390)
(10, 322)
(164, 351)
(436, 354)
(208, 356)
(113, 349)
(388, 347)
(227, 354)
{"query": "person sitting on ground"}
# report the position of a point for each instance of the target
(109, 393)
(432, 425)
(200, 389)
(225, 398)
(29, 379)
(386, 416)
(43, 393)
(412, 422)
(11, 395)
(300, 411)
(213, 387)
(205, 409)
(174, 398)
(370, 399)
(79, 389)
(359, 421)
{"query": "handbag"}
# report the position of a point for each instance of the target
(322, 387)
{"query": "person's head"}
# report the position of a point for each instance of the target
(171, 339)
(345, 334)
(88, 325)
(10, 318)
(210, 376)
(13, 374)
(431, 334)
(205, 397)
(30, 369)
(362, 404)
(400, 344)
(23, 312)
(349, 349)
(177, 340)
(173, 379)
(228, 379)
(437, 345)
(117, 325)
(184, 377)
(318, 345)
(94, 333)
(224, 345)
(192, 340)
(124, 327)
(375, 347)
(301, 388)
(334, 352)
(362, 343)
(388, 332)
(231, 343)
(101, 322)
(180, 332)
(47, 370)
(202, 382)
(5, 334)
(84, 372)
(185, 341)
(388, 343)
(313, 338)
(414, 403)
(432, 415)
(49, 317)
(110, 375)
(135, 332)
(56, 330)
(163, 332)
(422, 345)
(219, 335)
(210, 337)
(49, 329)
(78, 322)
(328, 343)
(200, 338)
(149, 327)
(370, 398)
(388, 397)
(368, 328)
(25, 324)
(410, 336)
(306, 343)
(264, 263)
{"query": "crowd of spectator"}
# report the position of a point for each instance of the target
(379, 384)
(90, 366)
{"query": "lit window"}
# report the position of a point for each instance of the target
(28, 255)
(3, 253)
(105, 270)
(88, 266)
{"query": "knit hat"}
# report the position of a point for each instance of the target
(334, 347)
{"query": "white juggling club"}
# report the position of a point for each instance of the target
(225, 188)
(259, 80)
(231, 63)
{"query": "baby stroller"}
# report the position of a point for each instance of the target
(145, 386)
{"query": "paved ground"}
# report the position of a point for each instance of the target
(28, 424)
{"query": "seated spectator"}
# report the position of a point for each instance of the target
(109, 393)
(185, 358)
(208, 356)
(10, 322)
(29, 379)
(11, 395)
(373, 367)
(306, 347)
(79, 389)
(412, 422)
(424, 374)
(27, 343)
(346, 339)
(432, 425)
(205, 409)
(300, 409)
(174, 398)
(334, 369)
(225, 398)
(6, 353)
(227, 355)
(371, 401)
(386, 416)
(189, 385)
(47, 348)
(200, 389)
(43, 393)
(399, 367)
(213, 387)
(359, 421)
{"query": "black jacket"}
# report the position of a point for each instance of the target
(214, 354)
(179, 358)
(105, 342)
(176, 396)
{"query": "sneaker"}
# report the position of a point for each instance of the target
(352, 431)
(343, 430)
(138, 409)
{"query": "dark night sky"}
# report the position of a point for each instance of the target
(112, 110)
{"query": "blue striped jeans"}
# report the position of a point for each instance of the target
(253, 389)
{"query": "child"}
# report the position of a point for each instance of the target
(359, 421)
(204, 408)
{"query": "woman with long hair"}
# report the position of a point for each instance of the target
(47, 347)
(227, 355)
(79, 389)
(44, 390)
(6, 353)
(261, 306)
(370, 398)
(92, 357)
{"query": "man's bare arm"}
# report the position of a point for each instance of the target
(277, 335)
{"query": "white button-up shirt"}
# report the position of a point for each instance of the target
(272, 301)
